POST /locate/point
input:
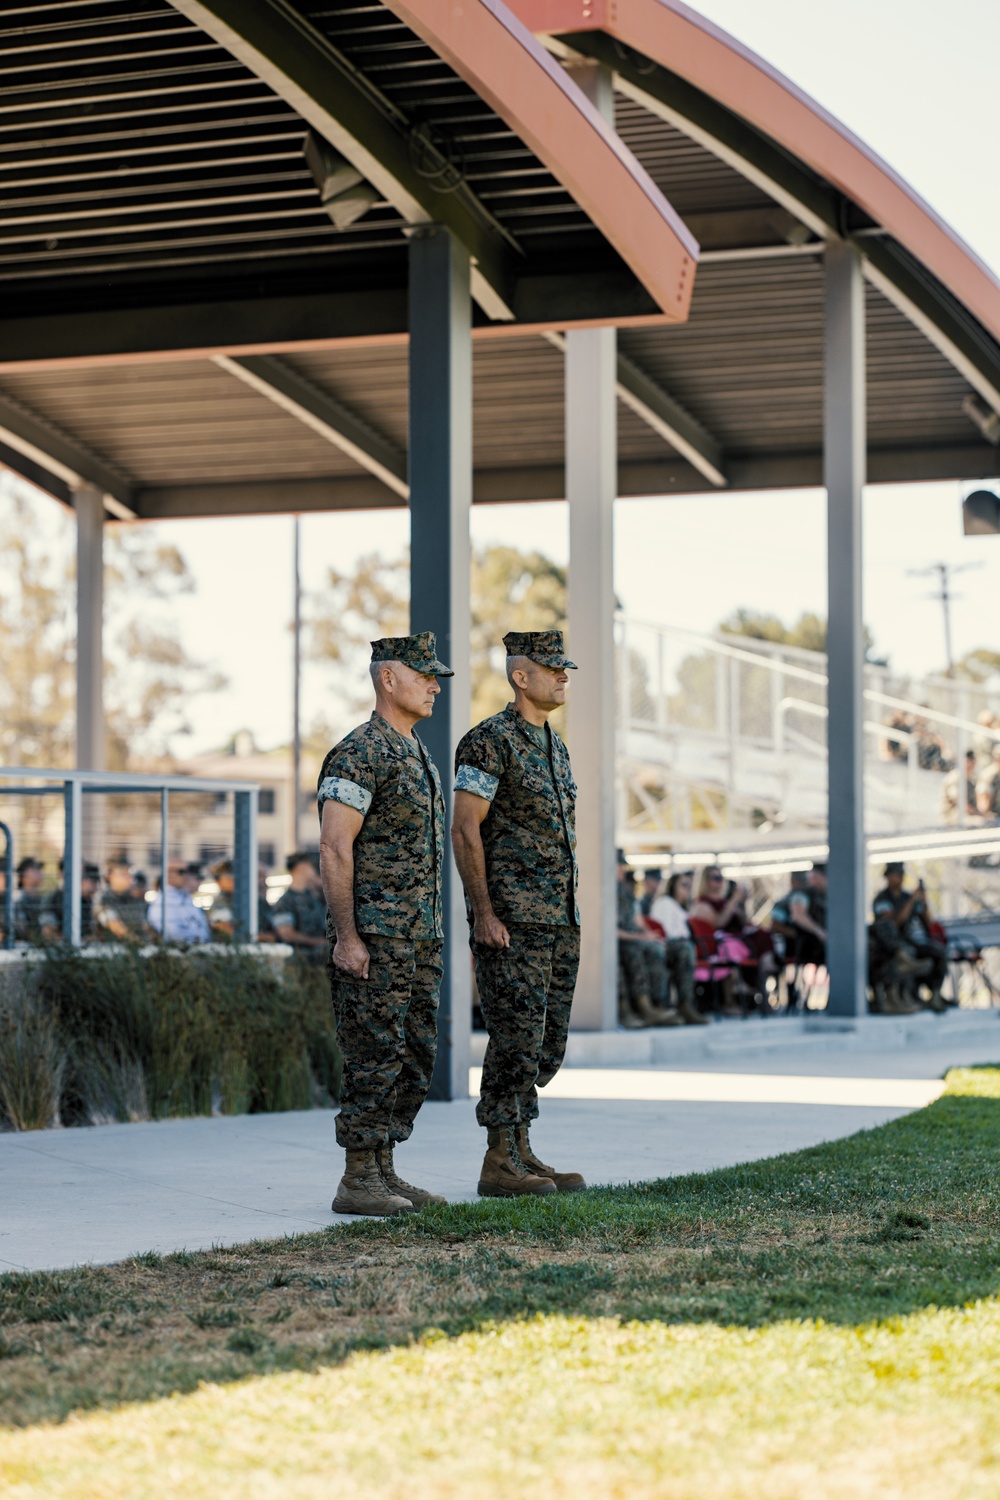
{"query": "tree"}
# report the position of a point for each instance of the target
(808, 633)
(511, 590)
(979, 665)
(149, 677)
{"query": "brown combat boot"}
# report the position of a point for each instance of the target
(504, 1174)
(566, 1182)
(690, 1016)
(362, 1190)
(419, 1197)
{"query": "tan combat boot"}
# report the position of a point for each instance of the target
(504, 1174)
(419, 1197)
(652, 1014)
(566, 1182)
(362, 1190)
(690, 1016)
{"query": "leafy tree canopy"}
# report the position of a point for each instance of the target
(511, 590)
(149, 677)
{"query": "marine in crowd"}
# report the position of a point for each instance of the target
(645, 1000)
(514, 837)
(382, 850)
(298, 917)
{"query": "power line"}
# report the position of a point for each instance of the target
(944, 573)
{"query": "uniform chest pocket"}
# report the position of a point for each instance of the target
(537, 780)
(411, 784)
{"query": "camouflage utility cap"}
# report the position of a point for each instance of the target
(543, 646)
(416, 651)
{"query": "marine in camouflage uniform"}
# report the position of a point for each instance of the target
(387, 1018)
(515, 843)
(302, 909)
(643, 962)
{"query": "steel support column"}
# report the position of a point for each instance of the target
(88, 501)
(440, 478)
(844, 474)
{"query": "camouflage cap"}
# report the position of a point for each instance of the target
(416, 651)
(543, 646)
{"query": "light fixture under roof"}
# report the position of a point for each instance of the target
(981, 513)
(343, 191)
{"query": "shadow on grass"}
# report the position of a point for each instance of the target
(878, 1225)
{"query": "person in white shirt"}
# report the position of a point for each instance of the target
(669, 911)
(186, 923)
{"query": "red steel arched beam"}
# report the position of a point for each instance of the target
(672, 34)
(485, 43)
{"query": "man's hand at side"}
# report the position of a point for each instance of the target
(340, 827)
(351, 955)
(490, 931)
(467, 841)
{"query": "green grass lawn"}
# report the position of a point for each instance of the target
(821, 1324)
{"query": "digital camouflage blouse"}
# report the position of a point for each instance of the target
(529, 833)
(399, 853)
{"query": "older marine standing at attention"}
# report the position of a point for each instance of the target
(382, 852)
(514, 838)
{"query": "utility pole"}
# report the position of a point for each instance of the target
(944, 596)
(297, 680)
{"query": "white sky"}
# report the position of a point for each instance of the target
(917, 82)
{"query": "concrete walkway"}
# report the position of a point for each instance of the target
(69, 1197)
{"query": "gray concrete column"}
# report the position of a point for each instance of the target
(90, 742)
(440, 475)
(591, 483)
(591, 489)
(844, 447)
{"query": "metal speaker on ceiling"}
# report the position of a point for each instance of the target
(343, 191)
(981, 513)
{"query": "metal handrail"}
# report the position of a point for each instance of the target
(8, 886)
(764, 659)
(75, 784)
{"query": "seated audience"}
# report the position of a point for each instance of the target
(643, 986)
(783, 931)
(896, 746)
(719, 901)
(722, 904)
(118, 914)
(265, 931)
(988, 787)
(902, 927)
(669, 912)
(951, 791)
(652, 883)
(299, 916)
(988, 738)
(932, 752)
(221, 916)
(185, 922)
(807, 918)
(37, 917)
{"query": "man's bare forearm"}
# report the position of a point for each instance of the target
(470, 857)
(336, 865)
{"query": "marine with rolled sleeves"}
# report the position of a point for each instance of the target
(382, 849)
(514, 837)
(382, 854)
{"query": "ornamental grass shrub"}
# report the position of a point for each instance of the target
(90, 1038)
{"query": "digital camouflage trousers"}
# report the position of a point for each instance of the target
(644, 965)
(387, 1032)
(525, 992)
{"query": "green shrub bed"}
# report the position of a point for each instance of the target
(88, 1040)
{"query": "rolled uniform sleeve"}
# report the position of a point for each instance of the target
(479, 765)
(350, 779)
